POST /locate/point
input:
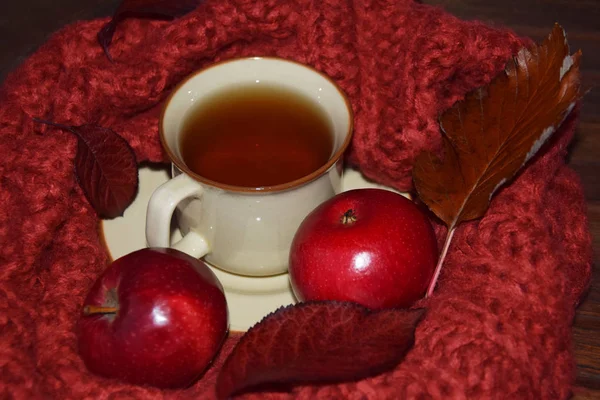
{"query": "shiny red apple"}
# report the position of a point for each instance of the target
(154, 317)
(370, 246)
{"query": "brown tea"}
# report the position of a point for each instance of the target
(256, 135)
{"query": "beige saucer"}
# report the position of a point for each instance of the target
(249, 299)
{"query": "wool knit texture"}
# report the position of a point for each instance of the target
(499, 323)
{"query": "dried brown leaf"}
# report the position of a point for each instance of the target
(492, 134)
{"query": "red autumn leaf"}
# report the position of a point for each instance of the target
(317, 342)
(159, 9)
(105, 167)
(495, 131)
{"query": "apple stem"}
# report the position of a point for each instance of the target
(91, 310)
(349, 217)
(438, 267)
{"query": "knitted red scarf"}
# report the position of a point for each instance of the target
(498, 325)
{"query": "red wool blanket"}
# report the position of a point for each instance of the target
(499, 324)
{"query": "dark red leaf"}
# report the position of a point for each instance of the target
(159, 9)
(318, 342)
(105, 167)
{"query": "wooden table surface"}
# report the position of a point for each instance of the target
(25, 24)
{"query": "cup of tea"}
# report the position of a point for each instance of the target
(255, 145)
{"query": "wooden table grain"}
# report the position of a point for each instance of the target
(26, 24)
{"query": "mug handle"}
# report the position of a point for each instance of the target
(160, 210)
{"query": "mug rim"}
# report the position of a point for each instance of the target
(335, 157)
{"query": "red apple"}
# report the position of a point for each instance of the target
(154, 317)
(369, 246)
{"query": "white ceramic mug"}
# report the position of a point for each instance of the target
(246, 231)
